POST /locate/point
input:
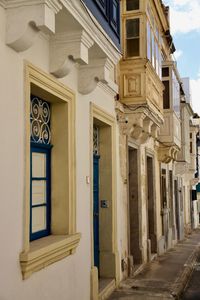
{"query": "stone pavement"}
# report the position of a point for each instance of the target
(164, 278)
(192, 291)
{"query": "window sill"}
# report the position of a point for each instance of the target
(46, 251)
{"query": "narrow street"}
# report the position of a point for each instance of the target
(192, 291)
(166, 277)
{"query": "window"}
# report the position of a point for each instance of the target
(132, 5)
(154, 42)
(132, 37)
(176, 94)
(107, 13)
(103, 5)
(40, 169)
(49, 210)
(191, 147)
(166, 95)
(148, 41)
(114, 15)
(165, 72)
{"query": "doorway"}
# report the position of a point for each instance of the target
(134, 215)
(177, 213)
(151, 222)
(96, 208)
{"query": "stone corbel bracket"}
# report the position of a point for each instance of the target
(26, 18)
(97, 71)
(167, 154)
(146, 132)
(66, 49)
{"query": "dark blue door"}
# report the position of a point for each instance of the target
(96, 208)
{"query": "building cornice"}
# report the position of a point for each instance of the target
(161, 14)
(93, 28)
(52, 4)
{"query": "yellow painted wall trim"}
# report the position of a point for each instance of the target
(47, 251)
(63, 239)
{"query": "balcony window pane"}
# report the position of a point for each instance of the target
(148, 41)
(133, 47)
(132, 28)
(165, 72)
(132, 4)
(166, 98)
(132, 37)
(153, 50)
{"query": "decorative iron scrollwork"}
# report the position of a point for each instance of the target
(40, 121)
(95, 140)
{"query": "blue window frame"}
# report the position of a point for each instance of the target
(40, 169)
(107, 13)
(40, 204)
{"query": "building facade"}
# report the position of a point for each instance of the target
(58, 83)
(99, 152)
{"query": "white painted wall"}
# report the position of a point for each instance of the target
(68, 279)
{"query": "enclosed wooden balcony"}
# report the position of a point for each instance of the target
(170, 133)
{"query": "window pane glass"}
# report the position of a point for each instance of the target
(166, 98)
(175, 94)
(38, 218)
(133, 47)
(157, 58)
(165, 72)
(153, 50)
(132, 28)
(38, 192)
(38, 164)
(148, 41)
(132, 4)
(114, 11)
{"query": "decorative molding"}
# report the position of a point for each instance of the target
(181, 168)
(3, 3)
(139, 125)
(97, 71)
(132, 85)
(93, 28)
(66, 49)
(26, 18)
(167, 153)
(46, 251)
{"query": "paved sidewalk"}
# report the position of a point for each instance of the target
(164, 278)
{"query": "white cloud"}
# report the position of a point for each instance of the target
(184, 15)
(178, 54)
(195, 91)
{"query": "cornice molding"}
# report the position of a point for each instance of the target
(27, 18)
(93, 28)
(3, 3)
(52, 4)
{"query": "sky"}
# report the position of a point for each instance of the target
(185, 29)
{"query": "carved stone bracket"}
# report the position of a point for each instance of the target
(66, 50)
(98, 70)
(26, 18)
(181, 168)
(139, 126)
(167, 153)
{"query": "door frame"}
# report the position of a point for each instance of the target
(110, 260)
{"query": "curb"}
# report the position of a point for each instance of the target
(184, 276)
